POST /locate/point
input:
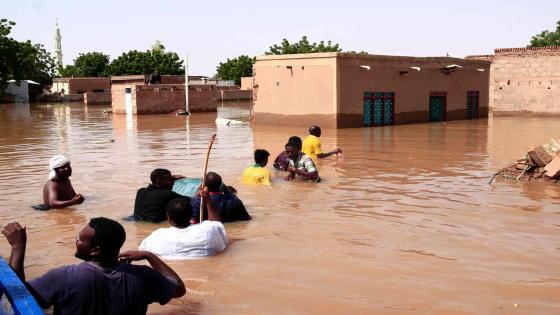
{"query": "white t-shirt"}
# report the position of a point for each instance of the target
(198, 240)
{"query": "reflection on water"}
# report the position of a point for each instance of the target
(404, 223)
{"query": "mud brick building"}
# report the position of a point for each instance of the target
(524, 80)
(341, 90)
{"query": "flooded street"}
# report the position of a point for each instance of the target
(404, 223)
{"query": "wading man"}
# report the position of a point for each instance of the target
(300, 164)
(106, 282)
(58, 191)
(312, 145)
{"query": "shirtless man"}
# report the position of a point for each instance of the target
(58, 191)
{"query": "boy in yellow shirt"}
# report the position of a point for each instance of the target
(312, 145)
(257, 174)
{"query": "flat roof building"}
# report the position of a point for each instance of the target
(341, 90)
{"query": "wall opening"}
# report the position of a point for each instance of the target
(473, 104)
(379, 108)
(438, 106)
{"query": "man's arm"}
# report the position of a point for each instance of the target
(17, 237)
(213, 214)
(309, 175)
(324, 155)
(158, 265)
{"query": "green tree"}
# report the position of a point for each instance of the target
(22, 60)
(547, 38)
(150, 61)
(93, 64)
(234, 69)
(302, 47)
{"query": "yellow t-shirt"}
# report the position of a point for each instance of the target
(256, 174)
(311, 147)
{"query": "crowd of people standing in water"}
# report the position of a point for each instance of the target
(105, 282)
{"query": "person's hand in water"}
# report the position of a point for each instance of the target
(78, 199)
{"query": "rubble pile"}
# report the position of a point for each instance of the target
(540, 164)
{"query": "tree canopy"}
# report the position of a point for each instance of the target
(145, 62)
(547, 38)
(302, 47)
(22, 60)
(234, 69)
(93, 64)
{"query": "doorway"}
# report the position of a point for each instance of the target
(379, 108)
(438, 104)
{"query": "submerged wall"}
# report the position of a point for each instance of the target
(329, 89)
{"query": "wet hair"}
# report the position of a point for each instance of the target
(158, 174)
(213, 181)
(261, 155)
(293, 145)
(109, 236)
(179, 211)
(314, 128)
(295, 139)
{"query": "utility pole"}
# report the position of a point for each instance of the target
(187, 83)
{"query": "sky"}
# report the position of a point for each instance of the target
(210, 32)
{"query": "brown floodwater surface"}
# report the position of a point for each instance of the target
(404, 223)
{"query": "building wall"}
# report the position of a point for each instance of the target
(246, 83)
(82, 85)
(158, 98)
(162, 98)
(328, 88)
(92, 98)
(295, 89)
(411, 88)
(59, 87)
(118, 95)
(526, 80)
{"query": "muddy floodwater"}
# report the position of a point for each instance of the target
(404, 223)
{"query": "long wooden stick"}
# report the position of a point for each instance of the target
(204, 176)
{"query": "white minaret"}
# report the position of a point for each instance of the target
(58, 46)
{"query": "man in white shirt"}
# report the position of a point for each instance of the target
(185, 241)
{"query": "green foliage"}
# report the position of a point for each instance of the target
(302, 47)
(22, 60)
(94, 64)
(547, 38)
(151, 61)
(234, 69)
(355, 52)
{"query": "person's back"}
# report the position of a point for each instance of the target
(106, 282)
(258, 174)
(184, 241)
(151, 201)
(89, 289)
(227, 204)
(311, 146)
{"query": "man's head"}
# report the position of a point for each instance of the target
(292, 150)
(315, 130)
(213, 181)
(100, 240)
(59, 167)
(162, 178)
(179, 212)
(261, 157)
(295, 139)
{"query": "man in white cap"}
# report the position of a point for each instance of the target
(58, 191)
